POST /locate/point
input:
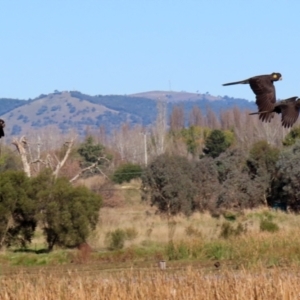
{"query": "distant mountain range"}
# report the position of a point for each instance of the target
(75, 110)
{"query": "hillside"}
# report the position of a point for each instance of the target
(7, 104)
(74, 110)
(173, 97)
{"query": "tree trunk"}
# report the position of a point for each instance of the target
(20, 145)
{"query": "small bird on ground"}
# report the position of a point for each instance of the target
(289, 110)
(2, 125)
(264, 89)
(217, 264)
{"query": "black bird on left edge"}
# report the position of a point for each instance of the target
(289, 110)
(2, 125)
(264, 89)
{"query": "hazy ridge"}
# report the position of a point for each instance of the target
(75, 110)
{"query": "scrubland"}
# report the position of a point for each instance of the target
(256, 251)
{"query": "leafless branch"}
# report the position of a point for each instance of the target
(94, 165)
(61, 163)
(21, 145)
(39, 161)
(102, 172)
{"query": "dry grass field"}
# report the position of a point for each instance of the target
(150, 284)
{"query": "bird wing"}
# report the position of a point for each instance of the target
(263, 88)
(289, 112)
(237, 82)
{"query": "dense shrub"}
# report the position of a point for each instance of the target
(268, 225)
(239, 190)
(66, 214)
(292, 137)
(168, 181)
(17, 209)
(115, 240)
(262, 160)
(286, 185)
(216, 143)
(69, 213)
(93, 153)
(9, 161)
(205, 179)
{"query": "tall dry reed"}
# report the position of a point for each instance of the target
(153, 284)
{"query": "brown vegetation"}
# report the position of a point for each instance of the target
(189, 283)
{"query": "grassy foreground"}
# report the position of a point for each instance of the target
(131, 284)
(258, 252)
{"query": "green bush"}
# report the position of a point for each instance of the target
(168, 182)
(116, 239)
(91, 152)
(228, 230)
(68, 214)
(230, 216)
(291, 138)
(17, 209)
(262, 158)
(216, 143)
(286, 184)
(267, 225)
(177, 252)
(127, 172)
(65, 213)
(217, 250)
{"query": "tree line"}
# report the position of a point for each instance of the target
(215, 163)
(226, 177)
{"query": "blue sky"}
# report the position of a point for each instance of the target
(130, 46)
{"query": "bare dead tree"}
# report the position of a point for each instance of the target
(129, 144)
(119, 140)
(102, 136)
(249, 129)
(92, 166)
(196, 117)
(159, 130)
(177, 118)
(211, 119)
(60, 163)
(22, 146)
